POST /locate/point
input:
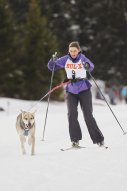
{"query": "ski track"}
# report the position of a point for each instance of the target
(90, 168)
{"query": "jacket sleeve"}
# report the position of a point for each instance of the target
(57, 64)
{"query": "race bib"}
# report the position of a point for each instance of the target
(75, 70)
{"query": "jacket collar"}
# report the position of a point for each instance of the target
(75, 59)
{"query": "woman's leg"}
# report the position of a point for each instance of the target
(86, 105)
(74, 127)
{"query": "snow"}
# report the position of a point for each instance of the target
(91, 168)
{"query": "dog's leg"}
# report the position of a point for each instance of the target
(33, 145)
(22, 140)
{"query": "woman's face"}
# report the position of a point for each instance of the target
(73, 52)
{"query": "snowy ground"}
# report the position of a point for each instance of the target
(89, 169)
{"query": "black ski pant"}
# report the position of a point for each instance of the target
(85, 100)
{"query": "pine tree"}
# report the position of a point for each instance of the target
(40, 44)
(7, 34)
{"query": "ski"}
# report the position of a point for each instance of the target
(72, 148)
(103, 146)
(80, 147)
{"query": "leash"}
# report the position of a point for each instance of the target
(49, 92)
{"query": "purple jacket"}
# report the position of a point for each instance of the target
(70, 65)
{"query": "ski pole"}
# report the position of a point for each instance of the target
(107, 102)
(49, 93)
(50, 87)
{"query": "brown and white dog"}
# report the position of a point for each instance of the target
(25, 126)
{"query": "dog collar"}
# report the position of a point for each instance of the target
(26, 132)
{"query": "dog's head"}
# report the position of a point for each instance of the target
(28, 119)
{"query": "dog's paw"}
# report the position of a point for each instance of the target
(32, 154)
(23, 152)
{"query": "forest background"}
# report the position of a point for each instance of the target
(32, 30)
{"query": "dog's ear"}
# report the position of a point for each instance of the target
(22, 111)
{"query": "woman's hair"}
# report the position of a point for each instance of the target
(75, 44)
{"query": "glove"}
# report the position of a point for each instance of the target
(86, 66)
(54, 57)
